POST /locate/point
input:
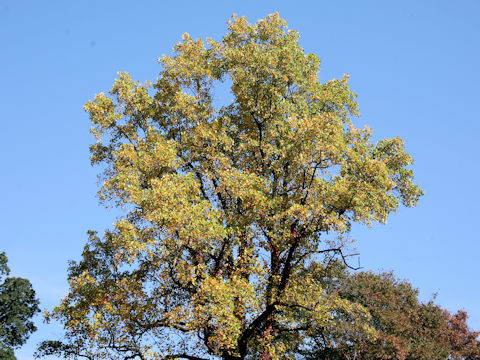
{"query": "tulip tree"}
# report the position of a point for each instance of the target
(227, 203)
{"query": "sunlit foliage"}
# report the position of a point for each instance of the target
(228, 203)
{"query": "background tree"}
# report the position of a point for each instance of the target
(228, 204)
(17, 307)
(463, 343)
(405, 327)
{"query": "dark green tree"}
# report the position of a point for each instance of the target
(17, 306)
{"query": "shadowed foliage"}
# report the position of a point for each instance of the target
(17, 306)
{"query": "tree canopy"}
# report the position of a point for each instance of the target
(404, 327)
(17, 306)
(229, 205)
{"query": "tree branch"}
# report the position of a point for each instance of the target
(183, 356)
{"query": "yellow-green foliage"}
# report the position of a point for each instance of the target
(225, 204)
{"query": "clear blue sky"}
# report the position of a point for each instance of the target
(414, 64)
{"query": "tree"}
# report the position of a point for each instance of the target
(227, 205)
(17, 306)
(405, 327)
(463, 343)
